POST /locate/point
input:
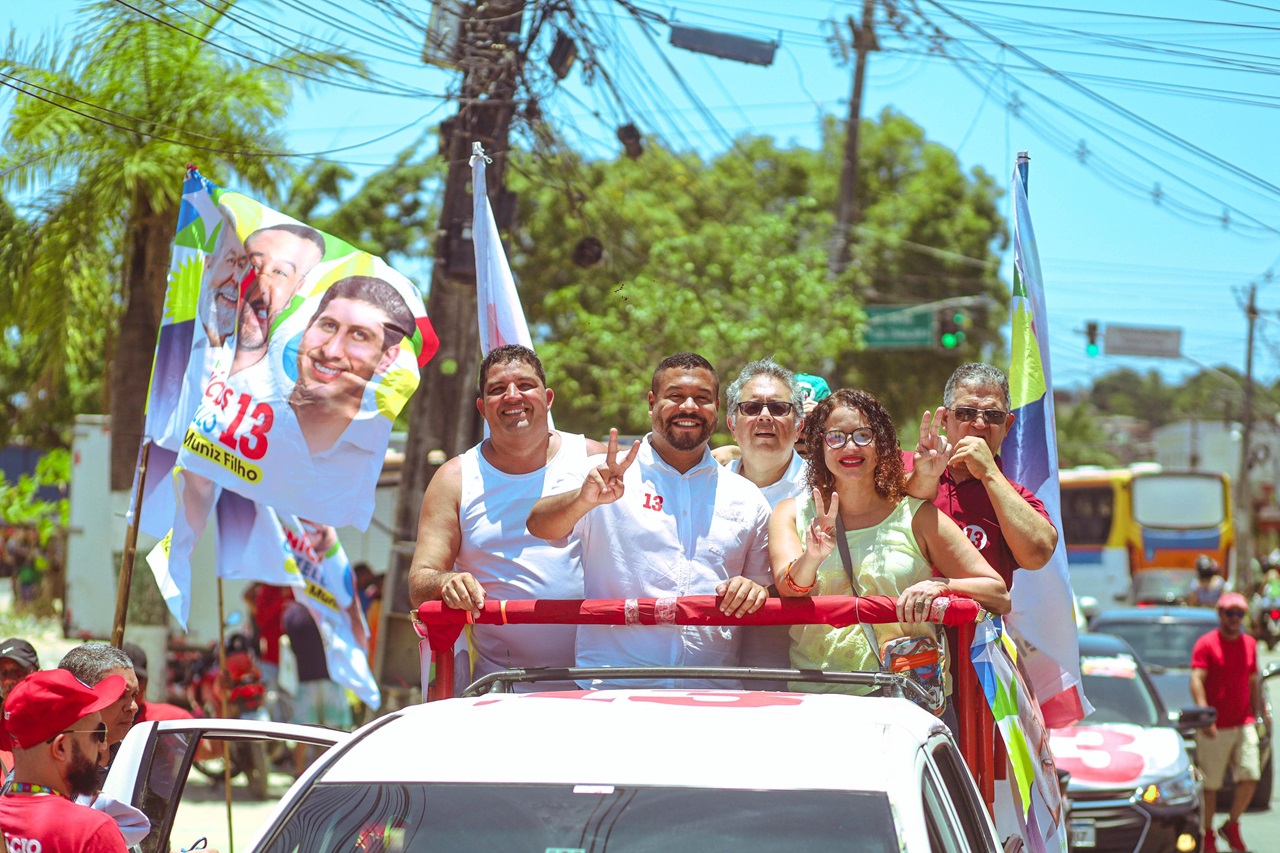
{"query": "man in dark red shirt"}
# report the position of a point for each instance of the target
(53, 723)
(1005, 522)
(1224, 676)
(150, 710)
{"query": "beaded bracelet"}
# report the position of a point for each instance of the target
(792, 585)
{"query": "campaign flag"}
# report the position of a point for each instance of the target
(330, 596)
(1043, 616)
(498, 305)
(250, 544)
(295, 353)
(1031, 805)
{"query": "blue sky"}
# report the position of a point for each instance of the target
(1149, 125)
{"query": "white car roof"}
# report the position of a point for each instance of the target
(697, 738)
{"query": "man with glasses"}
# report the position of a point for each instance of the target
(673, 523)
(1224, 676)
(1007, 523)
(53, 723)
(764, 417)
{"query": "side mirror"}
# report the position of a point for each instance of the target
(1195, 717)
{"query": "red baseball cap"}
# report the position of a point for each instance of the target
(44, 704)
(1233, 600)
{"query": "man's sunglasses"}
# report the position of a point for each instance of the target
(836, 439)
(1233, 612)
(99, 734)
(777, 408)
(966, 414)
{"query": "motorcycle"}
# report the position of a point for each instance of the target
(1266, 621)
(206, 683)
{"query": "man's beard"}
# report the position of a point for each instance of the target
(82, 775)
(682, 440)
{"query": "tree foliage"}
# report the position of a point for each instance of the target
(727, 257)
(99, 137)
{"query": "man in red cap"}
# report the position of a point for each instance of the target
(1224, 675)
(53, 723)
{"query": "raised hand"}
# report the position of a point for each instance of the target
(933, 452)
(604, 483)
(821, 538)
(973, 453)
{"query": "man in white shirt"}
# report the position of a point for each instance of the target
(764, 417)
(675, 523)
(472, 542)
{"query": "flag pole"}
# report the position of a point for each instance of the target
(1024, 161)
(130, 554)
(224, 687)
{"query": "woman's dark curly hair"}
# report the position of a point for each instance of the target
(889, 473)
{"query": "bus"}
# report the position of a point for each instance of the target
(1120, 521)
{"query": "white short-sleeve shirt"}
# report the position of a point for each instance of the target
(793, 482)
(670, 534)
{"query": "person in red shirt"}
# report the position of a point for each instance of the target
(1224, 676)
(1006, 522)
(53, 724)
(150, 710)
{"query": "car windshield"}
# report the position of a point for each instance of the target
(1166, 644)
(446, 817)
(1117, 692)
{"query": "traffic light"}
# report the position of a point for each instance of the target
(952, 324)
(1091, 347)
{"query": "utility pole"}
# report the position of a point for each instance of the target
(1244, 496)
(443, 420)
(864, 41)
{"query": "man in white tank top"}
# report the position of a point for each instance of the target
(472, 541)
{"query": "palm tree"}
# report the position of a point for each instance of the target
(99, 135)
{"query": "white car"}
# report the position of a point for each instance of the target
(628, 769)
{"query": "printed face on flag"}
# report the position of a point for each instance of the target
(294, 408)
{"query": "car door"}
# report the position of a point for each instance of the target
(155, 771)
(955, 817)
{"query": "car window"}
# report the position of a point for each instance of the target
(964, 797)
(466, 817)
(182, 783)
(1166, 644)
(944, 835)
(1118, 694)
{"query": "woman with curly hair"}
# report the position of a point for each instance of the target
(856, 475)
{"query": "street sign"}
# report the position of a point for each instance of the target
(1151, 341)
(900, 327)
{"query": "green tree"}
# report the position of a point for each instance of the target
(1081, 439)
(99, 137)
(728, 257)
(1128, 392)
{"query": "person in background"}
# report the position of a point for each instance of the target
(1224, 676)
(150, 710)
(1209, 584)
(320, 702)
(17, 661)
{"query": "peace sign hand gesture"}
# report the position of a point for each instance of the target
(821, 538)
(604, 483)
(933, 451)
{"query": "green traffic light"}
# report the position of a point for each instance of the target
(1091, 349)
(950, 340)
